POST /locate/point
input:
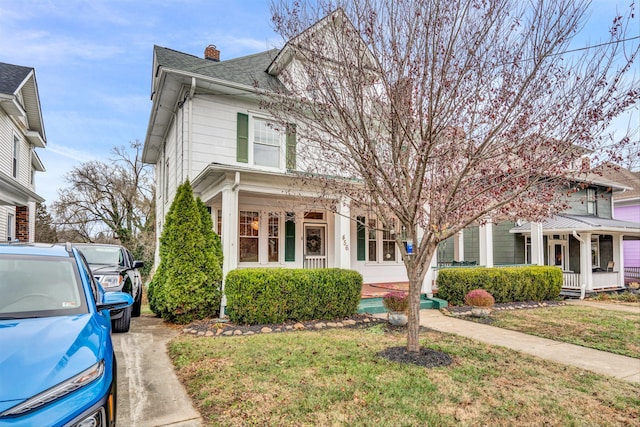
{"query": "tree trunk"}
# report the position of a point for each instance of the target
(416, 271)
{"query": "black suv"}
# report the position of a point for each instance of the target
(114, 267)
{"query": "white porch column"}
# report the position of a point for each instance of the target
(230, 217)
(618, 257)
(342, 234)
(486, 244)
(458, 246)
(586, 275)
(537, 249)
(430, 277)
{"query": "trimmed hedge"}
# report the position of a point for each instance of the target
(509, 284)
(276, 295)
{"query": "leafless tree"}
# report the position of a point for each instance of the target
(447, 112)
(116, 196)
(45, 230)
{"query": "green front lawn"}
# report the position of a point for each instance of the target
(613, 331)
(334, 378)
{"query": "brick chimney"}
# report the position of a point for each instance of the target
(211, 53)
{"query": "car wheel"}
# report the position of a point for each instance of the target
(137, 304)
(122, 324)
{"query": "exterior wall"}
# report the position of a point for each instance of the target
(574, 254)
(24, 215)
(472, 244)
(631, 247)
(506, 247)
(578, 206)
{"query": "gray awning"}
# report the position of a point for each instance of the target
(566, 223)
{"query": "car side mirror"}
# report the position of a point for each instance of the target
(138, 264)
(115, 300)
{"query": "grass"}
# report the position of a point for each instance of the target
(334, 378)
(607, 330)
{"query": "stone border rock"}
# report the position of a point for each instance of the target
(215, 328)
(465, 310)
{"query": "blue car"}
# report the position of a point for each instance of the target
(57, 364)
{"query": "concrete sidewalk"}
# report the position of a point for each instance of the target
(149, 392)
(601, 362)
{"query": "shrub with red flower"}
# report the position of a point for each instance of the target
(479, 298)
(396, 301)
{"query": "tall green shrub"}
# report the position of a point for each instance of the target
(187, 284)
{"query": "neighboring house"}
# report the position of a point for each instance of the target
(21, 132)
(626, 207)
(585, 240)
(206, 125)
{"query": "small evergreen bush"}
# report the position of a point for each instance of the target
(275, 295)
(510, 284)
(186, 285)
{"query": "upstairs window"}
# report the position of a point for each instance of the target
(266, 143)
(262, 142)
(592, 203)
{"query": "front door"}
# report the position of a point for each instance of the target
(315, 255)
(558, 255)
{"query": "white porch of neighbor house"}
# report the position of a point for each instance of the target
(588, 249)
(598, 262)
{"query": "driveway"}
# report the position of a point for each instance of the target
(149, 393)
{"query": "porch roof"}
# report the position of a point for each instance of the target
(566, 223)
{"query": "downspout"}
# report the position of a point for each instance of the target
(583, 285)
(192, 92)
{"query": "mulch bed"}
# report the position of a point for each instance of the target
(425, 357)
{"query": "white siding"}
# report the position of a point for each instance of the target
(6, 143)
(4, 213)
(214, 130)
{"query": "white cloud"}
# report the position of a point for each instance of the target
(69, 153)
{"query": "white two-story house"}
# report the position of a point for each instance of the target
(206, 125)
(21, 132)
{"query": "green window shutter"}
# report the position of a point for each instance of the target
(242, 153)
(290, 238)
(291, 147)
(361, 238)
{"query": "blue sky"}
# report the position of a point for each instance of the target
(93, 62)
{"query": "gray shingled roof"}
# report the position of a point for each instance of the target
(625, 177)
(11, 77)
(580, 223)
(246, 70)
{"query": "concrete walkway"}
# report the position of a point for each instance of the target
(601, 362)
(149, 392)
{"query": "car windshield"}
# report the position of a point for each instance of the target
(39, 286)
(103, 255)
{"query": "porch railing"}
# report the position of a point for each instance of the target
(631, 274)
(315, 261)
(571, 280)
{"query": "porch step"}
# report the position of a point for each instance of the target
(375, 306)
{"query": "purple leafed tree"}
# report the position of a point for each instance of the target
(442, 113)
